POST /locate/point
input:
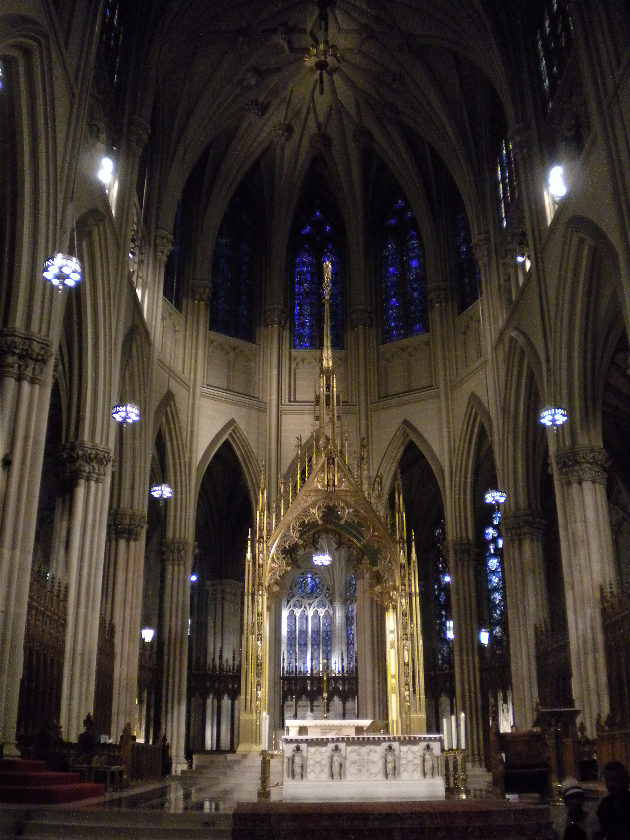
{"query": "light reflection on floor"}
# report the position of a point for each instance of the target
(173, 796)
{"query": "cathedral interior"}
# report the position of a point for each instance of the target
(314, 366)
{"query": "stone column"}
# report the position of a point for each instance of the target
(173, 642)
(588, 567)
(527, 608)
(466, 627)
(25, 360)
(123, 605)
(85, 465)
(275, 318)
(366, 624)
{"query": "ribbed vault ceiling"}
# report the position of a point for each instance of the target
(243, 77)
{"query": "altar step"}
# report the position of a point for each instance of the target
(232, 777)
(125, 825)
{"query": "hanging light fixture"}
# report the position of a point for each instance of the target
(553, 416)
(62, 270)
(161, 491)
(322, 557)
(484, 636)
(126, 413)
(495, 497)
(147, 634)
(555, 182)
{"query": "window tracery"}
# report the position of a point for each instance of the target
(233, 274)
(403, 275)
(317, 240)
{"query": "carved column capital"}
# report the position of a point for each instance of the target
(523, 523)
(275, 315)
(23, 356)
(175, 551)
(87, 461)
(583, 464)
(201, 290)
(359, 316)
(138, 133)
(163, 245)
(125, 524)
(438, 294)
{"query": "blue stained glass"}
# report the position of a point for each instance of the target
(351, 587)
(315, 640)
(494, 581)
(233, 274)
(403, 276)
(350, 635)
(466, 265)
(316, 243)
(327, 637)
(302, 640)
(442, 598)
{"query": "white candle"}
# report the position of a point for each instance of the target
(462, 731)
(445, 733)
(454, 731)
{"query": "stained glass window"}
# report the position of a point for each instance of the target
(317, 240)
(327, 637)
(506, 180)
(308, 630)
(466, 268)
(351, 595)
(495, 582)
(554, 40)
(302, 641)
(403, 275)
(441, 596)
(234, 274)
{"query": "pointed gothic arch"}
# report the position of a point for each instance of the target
(406, 433)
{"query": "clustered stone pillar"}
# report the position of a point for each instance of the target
(275, 318)
(370, 623)
(588, 567)
(466, 626)
(527, 607)
(24, 397)
(85, 466)
(123, 606)
(175, 606)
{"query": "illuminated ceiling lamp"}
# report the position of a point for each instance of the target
(556, 184)
(553, 416)
(62, 270)
(495, 497)
(322, 557)
(126, 413)
(161, 491)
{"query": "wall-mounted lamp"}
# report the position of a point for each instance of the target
(484, 636)
(126, 413)
(147, 634)
(106, 172)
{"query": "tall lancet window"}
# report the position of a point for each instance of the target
(466, 269)
(351, 618)
(403, 275)
(234, 273)
(495, 582)
(317, 240)
(308, 625)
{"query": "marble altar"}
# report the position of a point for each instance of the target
(329, 761)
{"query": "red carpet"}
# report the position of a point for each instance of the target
(483, 819)
(28, 782)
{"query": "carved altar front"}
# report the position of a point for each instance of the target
(354, 767)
